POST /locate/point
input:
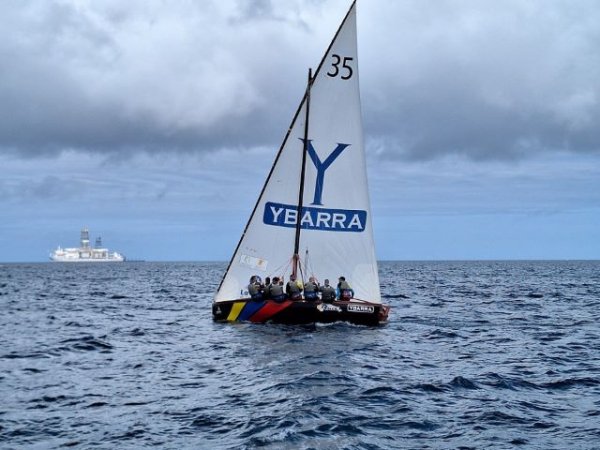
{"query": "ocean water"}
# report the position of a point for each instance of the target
(476, 355)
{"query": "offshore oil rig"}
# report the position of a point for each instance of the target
(86, 253)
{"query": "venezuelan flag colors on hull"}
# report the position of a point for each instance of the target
(300, 312)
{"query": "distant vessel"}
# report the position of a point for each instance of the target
(85, 253)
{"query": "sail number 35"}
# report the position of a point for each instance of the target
(345, 67)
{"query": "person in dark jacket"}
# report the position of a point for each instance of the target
(254, 288)
(265, 288)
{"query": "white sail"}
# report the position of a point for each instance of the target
(336, 235)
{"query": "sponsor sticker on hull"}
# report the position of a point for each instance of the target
(361, 308)
(327, 307)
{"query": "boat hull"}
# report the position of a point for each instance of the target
(300, 312)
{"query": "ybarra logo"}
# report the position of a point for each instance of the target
(361, 308)
(322, 166)
(316, 217)
(282, 215)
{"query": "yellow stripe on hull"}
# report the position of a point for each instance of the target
(236, 309)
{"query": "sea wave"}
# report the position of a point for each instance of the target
(476, 355)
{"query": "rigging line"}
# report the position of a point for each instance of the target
(282, 269)
(301, 267)
(308, 264)
(306, 267)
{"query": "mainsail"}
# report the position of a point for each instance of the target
(336, 236)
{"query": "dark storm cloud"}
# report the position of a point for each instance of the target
(122, 77)
(486, 79)
(470, 126)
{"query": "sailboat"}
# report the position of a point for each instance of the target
(312, 217)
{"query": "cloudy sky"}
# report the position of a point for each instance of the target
(155, 123)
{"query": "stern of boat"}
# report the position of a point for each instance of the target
(384, 311)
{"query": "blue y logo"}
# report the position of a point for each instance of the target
(322, 166)
(312, 217)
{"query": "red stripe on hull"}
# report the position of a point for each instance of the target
(269, 310)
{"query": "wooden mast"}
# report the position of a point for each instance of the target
(296, 257)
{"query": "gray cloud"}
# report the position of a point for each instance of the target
(124, 77)
(488, 80)
(485, 79)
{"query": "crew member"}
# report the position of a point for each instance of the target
(254, 288)
(293, 289)
(276, 290)
(265, 288)
(344, 291)
(327, 292)
(311, 289)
